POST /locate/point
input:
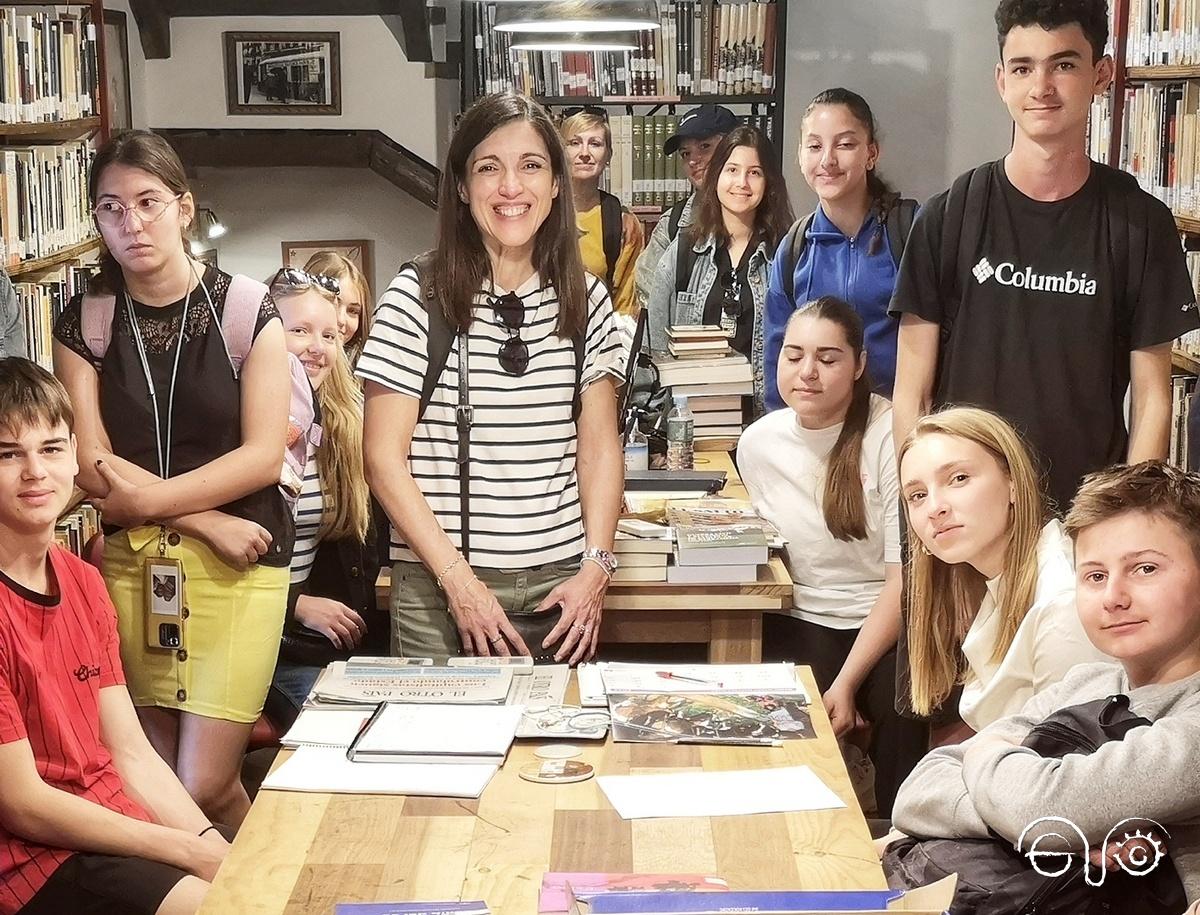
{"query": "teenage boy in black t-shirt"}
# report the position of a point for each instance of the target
(1059, 283)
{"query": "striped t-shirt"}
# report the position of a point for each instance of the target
(309, 508)
(524, 507)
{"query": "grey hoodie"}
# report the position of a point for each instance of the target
(1153, 773)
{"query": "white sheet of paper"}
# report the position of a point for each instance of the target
(326, 770)
(713, 794)
(700, 678)
(325, 728)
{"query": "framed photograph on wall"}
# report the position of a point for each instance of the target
(357, 251)
(283, 72)
(116, 67)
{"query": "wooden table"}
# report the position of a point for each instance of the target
(302, 853)
(727, 618)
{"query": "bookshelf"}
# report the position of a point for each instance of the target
(52, 113)
(738, 45)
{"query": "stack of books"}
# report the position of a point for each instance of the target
(713, 380)
(42, 301)
(642, 551)
(717, 541)
(75, 528)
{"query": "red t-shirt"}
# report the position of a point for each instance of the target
(56, 654)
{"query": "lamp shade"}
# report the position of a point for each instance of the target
(568, 16)
(574, 41)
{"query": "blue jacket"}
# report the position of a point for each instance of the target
(833, 264)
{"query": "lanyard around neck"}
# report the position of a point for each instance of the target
(163, 443)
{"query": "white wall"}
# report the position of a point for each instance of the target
(926, 68)
(263, 207)
(380, 89)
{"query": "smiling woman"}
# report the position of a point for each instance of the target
(491, 432)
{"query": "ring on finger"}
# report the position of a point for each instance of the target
(497, 640)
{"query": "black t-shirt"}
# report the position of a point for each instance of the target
(206, 416)
(1054, 297)
(734, 284)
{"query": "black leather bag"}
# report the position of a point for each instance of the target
(994, 879)
(533, 629)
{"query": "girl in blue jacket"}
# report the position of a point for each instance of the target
(850, 245)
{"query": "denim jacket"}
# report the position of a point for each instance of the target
(665, 311)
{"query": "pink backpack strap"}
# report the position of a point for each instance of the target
(242, 303)
(96, 319)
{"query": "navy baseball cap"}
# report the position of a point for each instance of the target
(705, 121)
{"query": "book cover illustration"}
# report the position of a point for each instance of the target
(555, 897)
(707, 717)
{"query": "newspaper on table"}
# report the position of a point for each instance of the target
(374, 680)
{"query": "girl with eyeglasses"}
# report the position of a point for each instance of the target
(824, 472)
(354, 301)
(850, 245)
(610, 237)
(178, 374)
(331, 606)
(715, 272)
(504, 490)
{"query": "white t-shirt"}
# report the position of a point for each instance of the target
(524, 508)
(836, 583)
(1049, 641)
(309, 509)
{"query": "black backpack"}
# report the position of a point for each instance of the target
(441, 337)
(675, 217)
(994, 879)
(612, 233)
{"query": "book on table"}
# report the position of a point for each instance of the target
(374, 680)
(326, 770)
(477, 907)
(558, 887)
(401, 732)
(711, 575)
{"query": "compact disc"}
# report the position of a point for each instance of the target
(556, 771)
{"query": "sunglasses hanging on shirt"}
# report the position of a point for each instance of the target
(514, 354)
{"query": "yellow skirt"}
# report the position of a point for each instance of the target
(230, 635)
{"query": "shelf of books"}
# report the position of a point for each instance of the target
(51, 115)
(704, 52)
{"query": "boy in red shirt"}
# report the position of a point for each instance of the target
(92, 820)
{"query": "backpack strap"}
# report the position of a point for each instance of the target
(899, 225)
(962, 227)
(674, 217)
(440, 335)
(612, 232)
(793, 245)
(242, 303)
(96, 319)
(685, 262)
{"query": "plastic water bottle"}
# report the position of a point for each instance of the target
(637, 450)
(680, 435)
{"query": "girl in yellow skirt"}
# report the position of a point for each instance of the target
(179, 377)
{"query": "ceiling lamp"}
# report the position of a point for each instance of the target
(577, 16)
(574, 41)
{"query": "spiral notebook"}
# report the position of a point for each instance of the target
(325, 728)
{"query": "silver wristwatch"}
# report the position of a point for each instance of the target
(603, 558)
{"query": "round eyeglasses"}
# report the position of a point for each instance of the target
(112, 213)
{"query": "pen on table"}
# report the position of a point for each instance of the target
(734, 741)
(668, 675)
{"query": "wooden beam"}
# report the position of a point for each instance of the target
(154, 25)
(411, 28)
(264, 148)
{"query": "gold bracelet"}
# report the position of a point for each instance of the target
(449, 566)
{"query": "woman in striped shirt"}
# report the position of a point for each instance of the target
(543, 358)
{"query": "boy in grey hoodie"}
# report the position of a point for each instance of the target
(1137, 557)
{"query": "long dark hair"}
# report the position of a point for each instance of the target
(142, 150)
(774, 214)
(843, 504)
(883, 195)
(460, 261)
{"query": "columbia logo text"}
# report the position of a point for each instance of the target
(1009, 274)
(1135, 845)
